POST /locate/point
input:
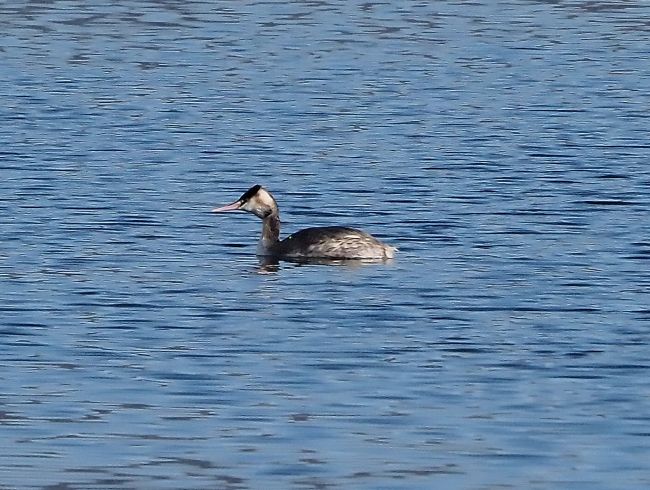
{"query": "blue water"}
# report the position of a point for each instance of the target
(502, 146)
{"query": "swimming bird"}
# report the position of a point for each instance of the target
(326, 242)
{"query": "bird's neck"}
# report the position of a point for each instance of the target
(270, 233)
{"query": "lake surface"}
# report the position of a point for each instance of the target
(502, 146)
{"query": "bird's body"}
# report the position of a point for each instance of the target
(327, 242)
(334, 242)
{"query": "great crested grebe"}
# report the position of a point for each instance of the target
(326, 242)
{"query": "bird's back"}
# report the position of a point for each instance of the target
(333, 242)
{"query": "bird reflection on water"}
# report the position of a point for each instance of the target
(270, 264)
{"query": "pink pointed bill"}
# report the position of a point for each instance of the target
(228, 207)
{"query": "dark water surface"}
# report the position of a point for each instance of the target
(502, 146)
